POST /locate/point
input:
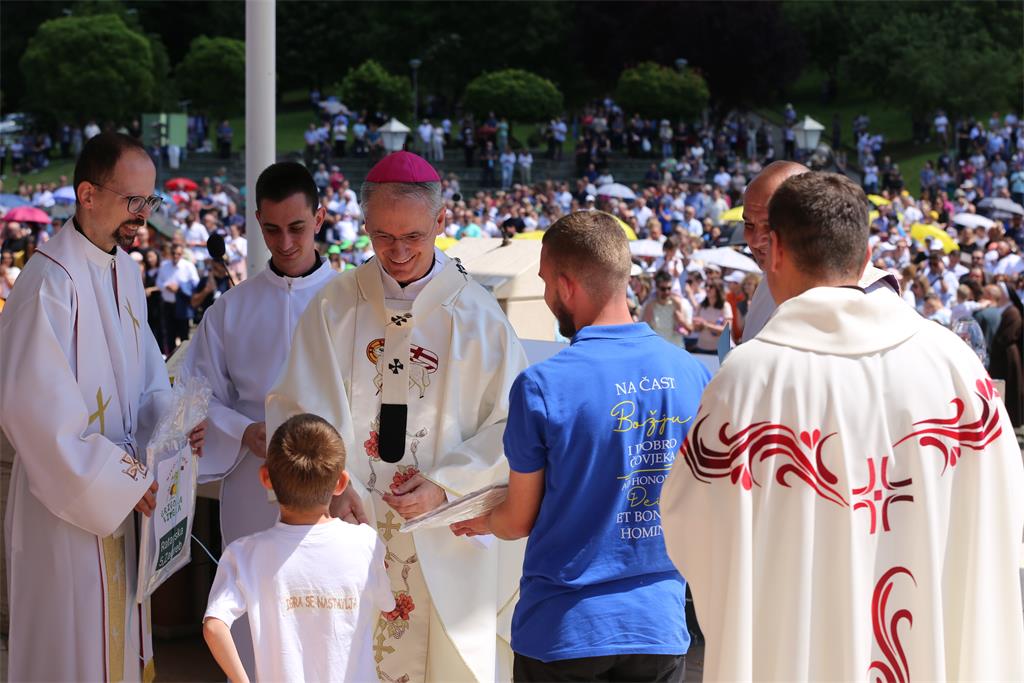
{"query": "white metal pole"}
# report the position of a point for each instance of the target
(260, 116)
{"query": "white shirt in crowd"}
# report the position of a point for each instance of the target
(425, 131)
(236, 248)
(196, 232)
(312, 614)
(1011, 264)
(559, 130)
(182, 272)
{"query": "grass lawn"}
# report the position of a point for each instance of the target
(50, 174)
(894, 124)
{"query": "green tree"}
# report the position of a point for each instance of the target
(369, 86)
(91, 66)
(212, 75)
(957, 56)
(660, 92)
(513, 93)
(165, 96)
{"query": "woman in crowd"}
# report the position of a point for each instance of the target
(154, 309)
(921, 289)
(747, 287)
(711, 319)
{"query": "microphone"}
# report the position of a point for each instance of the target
(215, 245)
(218, 252)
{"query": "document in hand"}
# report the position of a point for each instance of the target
(465, 507)
(164, 547)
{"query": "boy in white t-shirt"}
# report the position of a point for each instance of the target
(313, 586)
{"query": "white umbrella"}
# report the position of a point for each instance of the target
(64, 195)
(646, 248)
(616, 190)
(724, 257)
(1000, 204)
(973, 220)
(333, 107)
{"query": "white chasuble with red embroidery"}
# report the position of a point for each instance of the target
(82, 379)
(458, 356)
(848, 504)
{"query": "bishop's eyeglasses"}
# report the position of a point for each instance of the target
(385, 240)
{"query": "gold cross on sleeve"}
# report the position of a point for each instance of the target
(135, 322)
(101, 409)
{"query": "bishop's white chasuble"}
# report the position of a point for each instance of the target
(459, 357)
(240, 348)
(81, 373)
(848, 504)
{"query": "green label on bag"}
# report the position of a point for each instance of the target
(172, 543)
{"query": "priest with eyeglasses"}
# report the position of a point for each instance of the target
(412, 361)
(83, 384)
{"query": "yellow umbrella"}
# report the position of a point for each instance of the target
(923, 231)
(733, 215)
(443, 242)
(630, 235)
(872, 215)
(878, 200)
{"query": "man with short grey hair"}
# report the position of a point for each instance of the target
(847, 504)
(412, 362)
(755, 231)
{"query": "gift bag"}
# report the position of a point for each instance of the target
(164, 546)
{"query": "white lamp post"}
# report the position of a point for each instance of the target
(807, 133)
(393, 134)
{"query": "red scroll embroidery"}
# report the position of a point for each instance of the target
(760, 441)
(877, 493)
(895, 668)
(944, 433)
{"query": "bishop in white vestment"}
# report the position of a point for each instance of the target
(416, 369)
(847, 505)
(81, 374)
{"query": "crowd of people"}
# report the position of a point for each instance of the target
(622, 472)
(680, 206)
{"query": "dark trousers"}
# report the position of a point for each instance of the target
(175, 329)
(623, 668)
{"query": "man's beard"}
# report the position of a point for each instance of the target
(125, 234)
(566, 327)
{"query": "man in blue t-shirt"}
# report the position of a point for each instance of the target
(591, 436)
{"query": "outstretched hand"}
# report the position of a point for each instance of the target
(348, 507)
(478, 526)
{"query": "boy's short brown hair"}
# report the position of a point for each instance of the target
(305, 458)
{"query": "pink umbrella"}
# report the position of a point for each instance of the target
(27, 214)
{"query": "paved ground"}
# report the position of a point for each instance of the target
(187, 659)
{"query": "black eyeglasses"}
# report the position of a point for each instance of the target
(137, 202)
(665, 289)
